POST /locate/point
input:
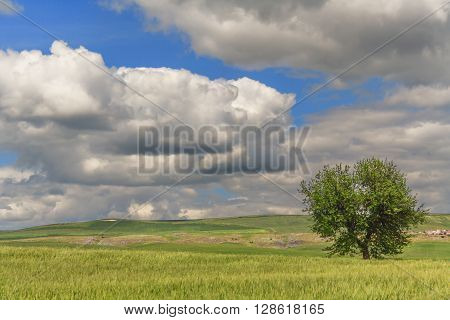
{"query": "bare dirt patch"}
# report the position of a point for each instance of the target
(129, 240)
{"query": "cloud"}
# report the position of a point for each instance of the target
(421, 96)
(326, 35)
(76, 124)
(73, 169)
(237, 199)
(35, 200)
(6, 9)
(74, 131)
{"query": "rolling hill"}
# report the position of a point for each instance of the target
(253, 257)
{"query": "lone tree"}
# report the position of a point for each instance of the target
(368, 209)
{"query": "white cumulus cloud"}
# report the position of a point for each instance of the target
(74, 131)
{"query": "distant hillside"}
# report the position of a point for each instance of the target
(241, 225)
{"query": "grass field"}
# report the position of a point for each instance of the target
(264, 257)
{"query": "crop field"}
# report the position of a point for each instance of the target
(261, 257)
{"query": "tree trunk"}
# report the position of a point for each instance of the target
(365, 252)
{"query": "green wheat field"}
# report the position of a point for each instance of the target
(259, 257)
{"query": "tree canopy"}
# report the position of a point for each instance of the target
(366, 209)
